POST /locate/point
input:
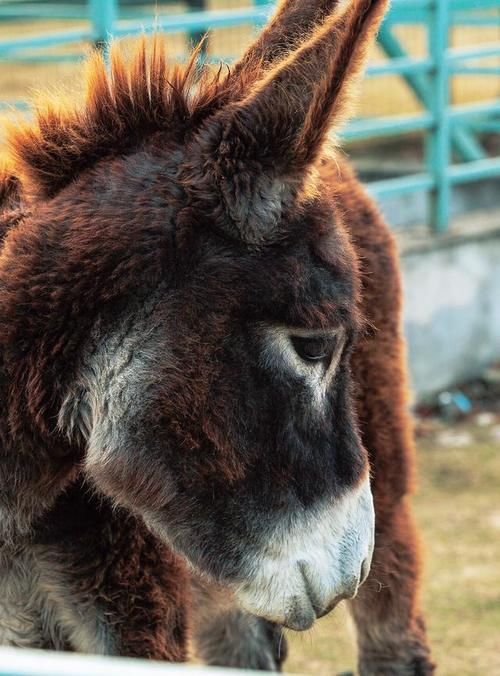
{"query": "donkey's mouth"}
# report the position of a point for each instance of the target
(304, 606)
(304, 573)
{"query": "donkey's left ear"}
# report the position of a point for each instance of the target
(250, 160)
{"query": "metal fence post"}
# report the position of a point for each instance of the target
(103, 15)
(439, 148)
(463, 141)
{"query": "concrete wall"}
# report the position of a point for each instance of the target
(452, 304)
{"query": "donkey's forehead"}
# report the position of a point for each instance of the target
(309, 291)
(308, 280)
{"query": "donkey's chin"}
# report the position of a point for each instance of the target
(304, 573)
(297, 605)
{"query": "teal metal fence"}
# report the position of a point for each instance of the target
(25, 662)
(454, 152)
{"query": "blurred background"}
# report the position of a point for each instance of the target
(426, 140)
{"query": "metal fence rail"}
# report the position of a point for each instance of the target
(450, 130)
(23, 662)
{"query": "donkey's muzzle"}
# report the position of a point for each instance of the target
(302, 613)
(347, 589)
(321, 560)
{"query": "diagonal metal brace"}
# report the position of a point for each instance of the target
(464, 143)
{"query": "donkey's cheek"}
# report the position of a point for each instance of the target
(132, 479)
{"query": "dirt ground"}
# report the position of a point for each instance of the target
(458, 509)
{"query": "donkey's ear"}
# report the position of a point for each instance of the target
(296, 103)
(292, 23)
(254, 155)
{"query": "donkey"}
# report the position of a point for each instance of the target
(200, 360)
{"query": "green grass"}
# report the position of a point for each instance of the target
(458, 509)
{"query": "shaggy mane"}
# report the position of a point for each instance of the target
(9, 189)
(10, 201)
(140, 93)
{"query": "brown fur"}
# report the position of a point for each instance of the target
(249, 171)
(10, 199)
(390, 629)
(143, 94)
(387, 612)
(111, 561)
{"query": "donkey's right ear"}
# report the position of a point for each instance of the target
(250, 161)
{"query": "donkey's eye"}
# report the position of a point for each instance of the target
(314, 349)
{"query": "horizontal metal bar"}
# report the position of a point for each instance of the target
(403, 5)
(486, 126)
(476, 52)
(470, 110)
(51, 10)
(472, 5)
(474, 171)
(57, 11)
(406, 12)
(401, 185)
(387, 126)
(44, 40)
(18, 105)
(459, 69)
(384, 126)
(22, 57)
(197, 21)
(458, 173)
(466, 19)
(24, 662)
(400, 66)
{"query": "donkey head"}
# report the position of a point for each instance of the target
(200, 278)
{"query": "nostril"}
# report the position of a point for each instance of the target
(365, 569)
